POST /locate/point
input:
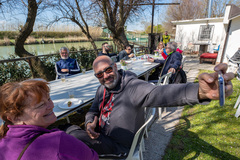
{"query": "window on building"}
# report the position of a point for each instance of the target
(205, 32)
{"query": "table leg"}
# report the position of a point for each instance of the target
(68, 121)
(146, 76)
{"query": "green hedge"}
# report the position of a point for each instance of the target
(13, 34)
(8, 34)
(55, 34)
(20, 70)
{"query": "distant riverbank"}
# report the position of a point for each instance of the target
(51, 40)
(44, 49)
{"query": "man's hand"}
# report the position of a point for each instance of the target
(160, 51)
(131, 55)
(90, 129)
(208, 83)
(64, 70)
(172, 70)
(150, 60)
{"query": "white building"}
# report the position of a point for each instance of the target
(206, 34)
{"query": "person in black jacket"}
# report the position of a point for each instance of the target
(105, 50)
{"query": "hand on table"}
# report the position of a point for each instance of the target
(91, 127)
(150, 60)
(208, 83)
(172, 70)
(64, 70)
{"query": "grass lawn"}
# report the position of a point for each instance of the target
(207, 132)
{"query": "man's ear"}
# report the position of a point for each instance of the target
(115, 65)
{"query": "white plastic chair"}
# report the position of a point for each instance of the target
(237, 105)
(232, 65)
(183, 61)
(136, 149)
(163, 80)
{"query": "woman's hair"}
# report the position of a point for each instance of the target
(172, 45)
(14, 99)
(158, 46)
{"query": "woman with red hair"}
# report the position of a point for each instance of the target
(27, 110)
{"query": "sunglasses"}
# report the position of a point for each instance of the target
(107, 70)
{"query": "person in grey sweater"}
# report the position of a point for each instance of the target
(118, 108)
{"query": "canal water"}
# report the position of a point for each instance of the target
(43, 49)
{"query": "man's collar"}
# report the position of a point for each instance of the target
(65, 59)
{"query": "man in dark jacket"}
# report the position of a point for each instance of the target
(66, 65)
(118, 108)
(105, 50)
(172, 62)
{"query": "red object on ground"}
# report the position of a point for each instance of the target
(209, 55)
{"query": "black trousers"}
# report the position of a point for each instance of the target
(102, 145)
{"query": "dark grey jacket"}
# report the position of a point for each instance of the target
(130, 96)
(123, 55)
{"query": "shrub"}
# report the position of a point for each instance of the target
(20, 70)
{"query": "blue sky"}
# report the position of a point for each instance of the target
(136, 24)
(147, 17)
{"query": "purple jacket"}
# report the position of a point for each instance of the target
(53, 144)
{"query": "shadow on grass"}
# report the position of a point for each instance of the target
(185, 142)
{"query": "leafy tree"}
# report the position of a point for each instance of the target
(156, 29)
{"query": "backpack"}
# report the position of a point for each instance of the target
(179, 77)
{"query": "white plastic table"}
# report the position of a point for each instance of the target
(85, 86)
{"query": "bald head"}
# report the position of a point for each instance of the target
(106, 71)
(101, 60)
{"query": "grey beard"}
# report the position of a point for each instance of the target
(112, 85)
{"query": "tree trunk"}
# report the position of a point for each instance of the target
(120, 39)
(89, 37)
(26, 30)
